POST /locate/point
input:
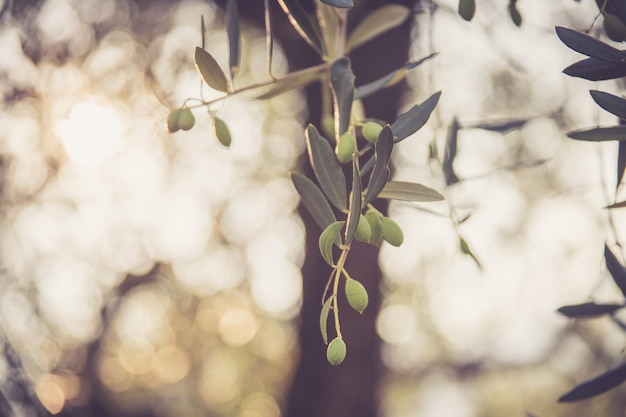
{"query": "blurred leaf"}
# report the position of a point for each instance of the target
(221, 131)
(232, 29)
(380, 174)
(314, 200)
(339, 3)
(202, 31)
(599, 134)
(589, 310)
(342, 83)
(613, 104)
(377, 23)
(620, 204)
(355, 203)
(596, 386)
(324, 318)
(621, 161)
(389, 79)
(327, 238)
(589, 46)
(616, 269)
(450, 153)
(287, 84)
(269, 35)
(327, 167)
(516, 16)
(593, 69)
(302, 22)
(411, 121)
(210, 70)
(465, 248)
(467, 9)
(409, 191)
(501, 127)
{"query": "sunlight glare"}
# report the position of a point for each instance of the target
(91, 133)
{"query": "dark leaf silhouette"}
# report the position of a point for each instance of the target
(616, 269)
(314, 200)
(324, 319)
(339, 3)
(619, 204)
(411, 121)
(609, 102)
(589, 46)
(621, 162)
(409, 191)
(589, 310)
(232, 29)
(501, 127)
(327, 168)
(596, 386)
(450, 153)
(302, 22)
(342, 83)
(599, 134)
(593, 69)
(210, 70)
(380, 174)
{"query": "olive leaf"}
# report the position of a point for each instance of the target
(390, 79)
(302, 23)
(594, 69)
(411, 121)
(210, 70)
(342, 83)
(327, 238)
(314, 200)
(450, 153)
(616, 269)
(613, 104)
(380, 174)
(221, 131)
(465, 248)
(599, 134)
(324, 319)
(619, 204)
(354, 214)
(287, 84)
(326, 167)
(596, 386)
(589, 310)
(588, 45)
(339, 3)
(269, 35)
(409, 191)
(233, 32)
(501, 126)
(378, 22)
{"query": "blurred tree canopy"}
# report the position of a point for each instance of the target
(145, 273)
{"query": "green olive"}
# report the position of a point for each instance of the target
(336, 351)
(356, 295)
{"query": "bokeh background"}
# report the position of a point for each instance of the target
(144, 273)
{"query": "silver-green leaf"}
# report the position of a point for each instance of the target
(314, 200)
(210, 70)
(409, 191)
(342, 83)
(411, 121)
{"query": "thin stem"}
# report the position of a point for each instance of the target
(337, 276)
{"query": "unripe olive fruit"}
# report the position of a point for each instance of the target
(186, 120)
(356, 295)
(467, 8)
(614, 27)
(363, 230)
(392, 232)
(221, 131)
(172, 121)
(375, 221)
(346, 147)
(371, 130)
(336, 351)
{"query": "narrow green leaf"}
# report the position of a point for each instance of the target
(210, 70)
(354, 214)
(234, 36)
(302, 22)
(221, 131)
(596, 386)
(327, 238)
(287, 84)
(589, 310)
(344, 4)
(342, 83)
(409, 191)
(450, 153)
(616, 269)
(314, 200)
(501, 127)
(589, 46)
(327, 167)
(324, 318)
(594, 69)
(613, 104)
(388, 80)
(380, 174)
(599, 134)
(377, 23)
(411, 121)
(465, 248)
